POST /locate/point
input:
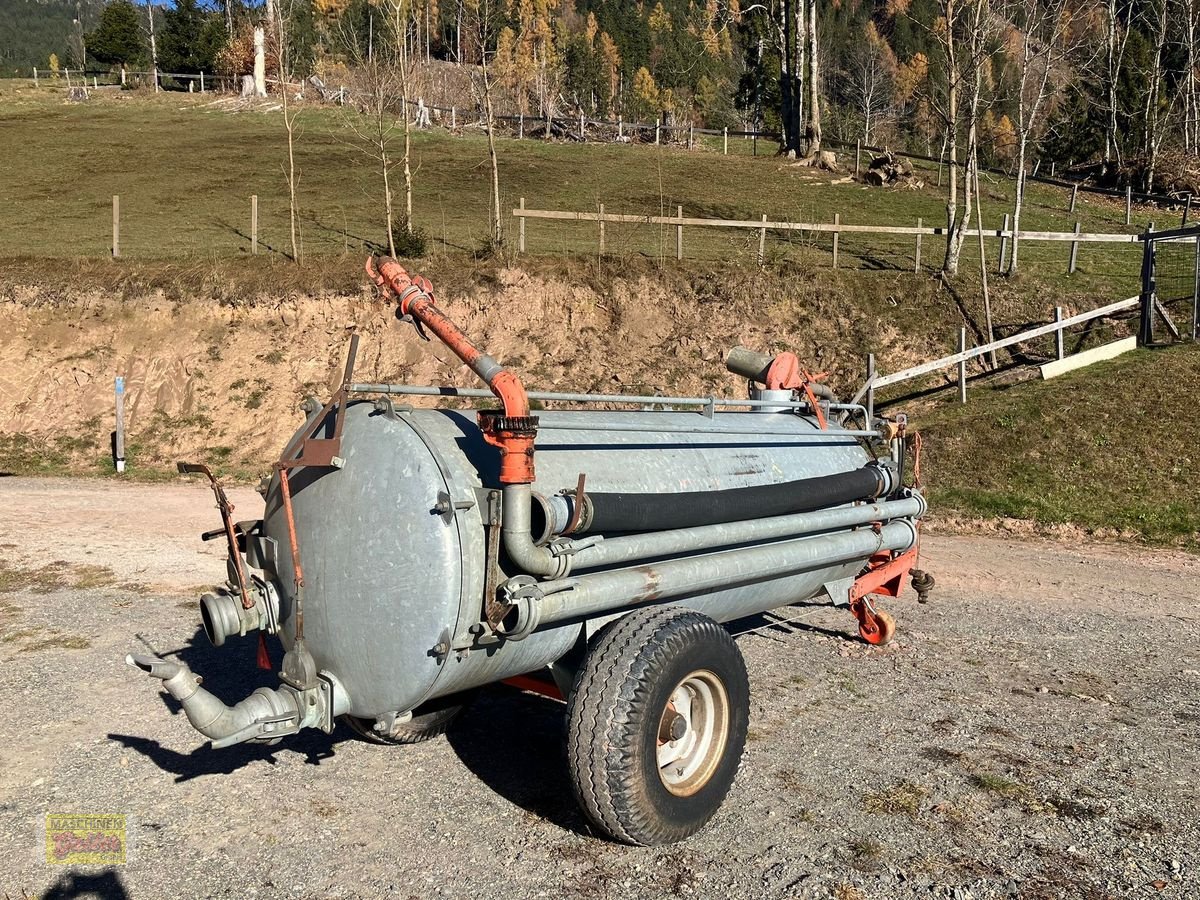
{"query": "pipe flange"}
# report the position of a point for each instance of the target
(495, 422)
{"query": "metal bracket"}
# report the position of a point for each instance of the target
(838, 591)
(446, 507)
(390, 410)
(493, 609)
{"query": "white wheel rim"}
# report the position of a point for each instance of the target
(687, 762)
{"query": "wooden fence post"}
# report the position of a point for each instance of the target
(521, 127)
(725, 141)
(1074, 194)
(1074, 252)
(857, 156)
(202, 81)
(962, 366)
(837, 220)
(119, 430)
(917, 268)
(582, 136)
(1002, 257)
(453, 117)
(620, 127)
(691, 136)
(762, 242)
(521, 230)
(1187, 208)
(35, 77)
(1058, 335)
(254, 224)
(600, 220)
(1051, 168)
(679, 233)
(657, 129)
(116, 236)
(1128, 205)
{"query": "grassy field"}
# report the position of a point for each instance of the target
(1109, 446)
(185, 169)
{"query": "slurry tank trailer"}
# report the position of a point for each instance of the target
(408, 556)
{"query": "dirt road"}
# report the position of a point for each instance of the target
(1033, 733)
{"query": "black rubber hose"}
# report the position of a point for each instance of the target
(615, 512)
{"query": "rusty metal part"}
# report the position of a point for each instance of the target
(922, 583)
(580, 498)
(285, 492)
(230, 529)
(493, 610)
(305, 449)
(511, 430)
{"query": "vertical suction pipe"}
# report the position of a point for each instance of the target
(512, 430)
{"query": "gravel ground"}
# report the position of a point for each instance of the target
(1031, 734)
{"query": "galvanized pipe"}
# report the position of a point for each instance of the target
(591, 595)
(516, 531)
(650, 428)
(420, 390)
(707, 537)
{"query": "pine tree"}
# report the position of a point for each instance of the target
(117, 39)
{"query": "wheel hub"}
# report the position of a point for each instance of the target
(692, 733)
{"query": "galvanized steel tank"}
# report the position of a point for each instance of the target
(391, 572)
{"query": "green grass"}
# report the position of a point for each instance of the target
(1108, 447)
(185, 170)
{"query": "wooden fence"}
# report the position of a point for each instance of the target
(875, 381)
(836, 228)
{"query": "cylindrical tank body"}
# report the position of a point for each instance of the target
(389, 574)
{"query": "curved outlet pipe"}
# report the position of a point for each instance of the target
(513, 431)
(254, 719)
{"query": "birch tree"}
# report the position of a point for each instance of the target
(379, 84)
(278, 21)
(1116, 38)
(1041, 36)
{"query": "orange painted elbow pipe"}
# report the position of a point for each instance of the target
(512, 430)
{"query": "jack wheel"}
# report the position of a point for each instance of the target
(877, 628)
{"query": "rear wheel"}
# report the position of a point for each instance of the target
(656, 725)
(428, 721)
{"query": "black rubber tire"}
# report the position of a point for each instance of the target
(429, 721)
(613, 718)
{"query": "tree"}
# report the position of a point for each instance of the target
(869, 81)
(379, 82)
(280, 21)
(191, 38)
(117, 38)
(1040, 37)
(483, 23)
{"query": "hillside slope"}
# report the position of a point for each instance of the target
(1112, 446)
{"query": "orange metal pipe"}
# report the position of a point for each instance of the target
(514, 432)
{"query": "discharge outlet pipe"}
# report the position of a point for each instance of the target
(252, 719)
(512, 430)
(591, 595)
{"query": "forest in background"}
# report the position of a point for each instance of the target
(1108, 81)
